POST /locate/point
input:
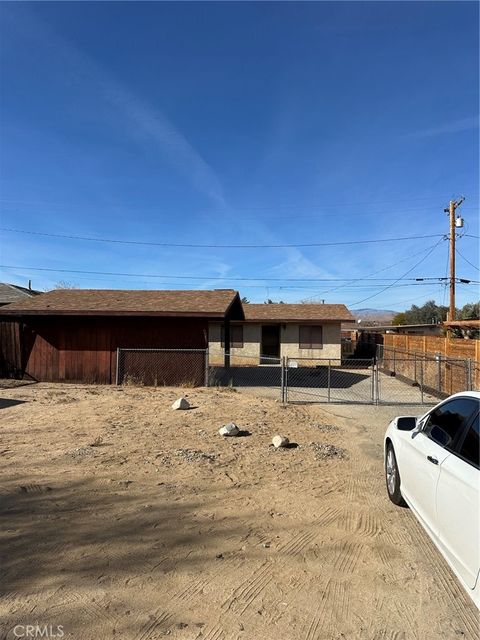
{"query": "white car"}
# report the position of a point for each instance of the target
(432, 465)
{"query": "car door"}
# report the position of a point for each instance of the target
(458, 508)
(425, 451)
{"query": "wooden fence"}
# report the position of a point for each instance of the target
(447, 365)
(11, 361)
(448, 347)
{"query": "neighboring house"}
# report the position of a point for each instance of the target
(13, 293)
(467, 329)
(428, 329)
(272, 331)
(73, 334)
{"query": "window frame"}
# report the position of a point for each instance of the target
(313, 345)
(464, 437)
(234, 344)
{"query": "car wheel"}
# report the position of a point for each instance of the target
(392, 477)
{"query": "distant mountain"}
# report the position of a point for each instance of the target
(378, 315)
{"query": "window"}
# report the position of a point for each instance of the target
(445, 424)
(470, 449)
(236, 336)
(310, 337)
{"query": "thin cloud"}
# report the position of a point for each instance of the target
(456, 126)
(141, 119)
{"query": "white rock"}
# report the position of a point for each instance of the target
(229, 429)
(280, 441)
(181, 403)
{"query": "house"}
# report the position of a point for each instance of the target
(73, 334)
(14, 293)
(273, 331)
(425, 329)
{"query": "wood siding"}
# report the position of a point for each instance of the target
(72, 349)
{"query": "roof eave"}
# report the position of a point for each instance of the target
(107, 314)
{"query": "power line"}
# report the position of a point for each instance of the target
(368, 276)
(467, 261)
(324, 205)
(412, 281)
(401, 277)
(219, 246)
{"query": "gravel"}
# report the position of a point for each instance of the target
(324, 451)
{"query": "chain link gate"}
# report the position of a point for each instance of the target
(329, 380)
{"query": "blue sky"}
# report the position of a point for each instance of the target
(240, 124)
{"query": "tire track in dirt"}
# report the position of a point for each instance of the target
(367, 525)
(214, 633)
(197, 587)
(192, 590)
(157, 619)
(407, 614)
(371, 633)
(453, 593)
(301, 540)
(326, 618)
(250, 589)
(397, 536)
(349, 554)
(388, 635)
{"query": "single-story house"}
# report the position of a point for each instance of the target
(73, 334)
(14, 293)
(270, 332)
(425, 329)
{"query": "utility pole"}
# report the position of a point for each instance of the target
(451, 211)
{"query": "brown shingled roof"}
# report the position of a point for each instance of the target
(12, 292)
(128, 302)
(297, 313)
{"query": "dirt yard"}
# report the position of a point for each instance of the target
(124, 519)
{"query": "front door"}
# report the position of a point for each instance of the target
(270, 345)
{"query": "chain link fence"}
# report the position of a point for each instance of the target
(266, 379)
(329, 380)
(163, 367)
(434, 375)
(393, 377)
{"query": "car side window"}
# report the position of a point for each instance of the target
(445, 424)
(470, 449)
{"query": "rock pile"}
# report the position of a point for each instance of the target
(324, 451)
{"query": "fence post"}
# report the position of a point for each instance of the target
(206, 367)
(394, 363)
(421, 379)
(374, 383)
(329, 379)
(438, 358)
(415, 366)
(468, 366)
(286, 381)
(282, 381)
(117, 373)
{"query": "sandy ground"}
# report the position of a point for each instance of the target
(124, 519)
